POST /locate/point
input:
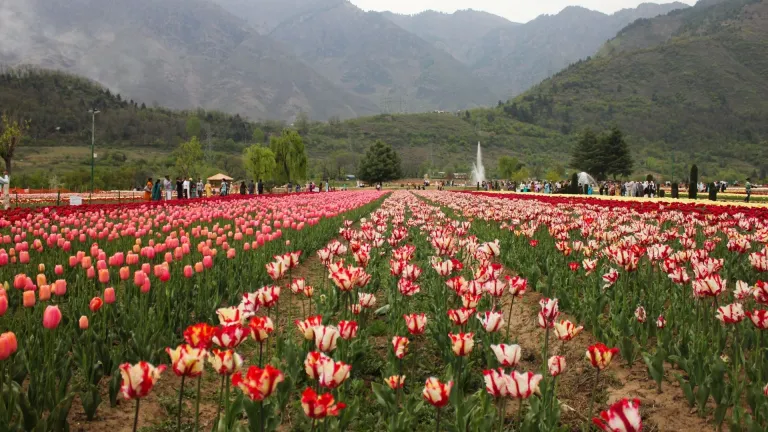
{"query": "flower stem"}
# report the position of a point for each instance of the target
(509, 316)
(136, 415)
(261, 350)
(197, 404)
(261, 415)
(501, 414)
(437, 423)
(592, 402)
(181, 395)
(221, 394)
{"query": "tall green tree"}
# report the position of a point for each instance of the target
(258, 136)
(193, 127)
(618, 159)
(189, 154)
(11, 133)
(290, 157)
(381, 163)
(259, 162)
(508, 166)
(586, 155)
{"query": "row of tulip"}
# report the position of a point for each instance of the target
(676, 286)
(118, 284)
(428, 313)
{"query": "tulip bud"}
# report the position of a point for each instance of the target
(45, 292)
(41, 267)
(556, 365)
(109, 295)
(58, 270)
(83, 322)
(29, 299)
(51, 317)
(124, 273)
(95, 304)
(60, 287)
(3, 304)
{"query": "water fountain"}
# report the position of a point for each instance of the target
(478, 170)
(586, 179)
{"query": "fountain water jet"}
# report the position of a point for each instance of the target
(478, 170)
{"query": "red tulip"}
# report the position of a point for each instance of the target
(523, 385)
(556, 365)
(460, 316)
(139, 379)
(95, 304)
(731, 314)
(623, 416)
(230, 336)
(320, 407)
(462, 343)
(258, 384)
(187, 360)
(400, 345)
(225, 362)
(416, 323)
(508, 356)
(199, 335)
(332, 373)
(395, 381)
(758, 317)
(326, 337)
(600, 355)
(437, 393)
(496, 382)
(83, 323)
(347, 329)
(8, 345)
(261, 327)
(491, 321)
(313, 364)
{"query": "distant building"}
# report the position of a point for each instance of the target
(460, 176)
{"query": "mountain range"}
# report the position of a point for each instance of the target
(273, 59)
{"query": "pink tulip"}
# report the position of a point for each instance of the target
(109, 295)
(29, 298)
(58, 270)
(83, 322)
(188, 272)
(51, 317)
(60, 287)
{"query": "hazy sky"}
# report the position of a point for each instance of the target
(513, 10)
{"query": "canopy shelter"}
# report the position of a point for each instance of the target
(216, 180)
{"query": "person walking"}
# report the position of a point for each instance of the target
(748, 189)
(242, 187)
(200, 187)
(192, 188)
(148, 190)
(251, 188)
(5, 181)
(156, 190)
(168, 186)
(179, 188)
(185, 189)
(224, 188)
(208, 189)
(260, 187)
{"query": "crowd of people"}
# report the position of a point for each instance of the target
(164, 189)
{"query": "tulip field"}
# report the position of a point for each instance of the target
(369, 311)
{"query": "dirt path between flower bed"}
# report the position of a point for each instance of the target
(667, 411)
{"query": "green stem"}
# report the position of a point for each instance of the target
(592, 402)
(501, 414)
(509, 316)
(197, 404)
(181, 395)
(221, 394)
(261, 415)
(261, 350)
(136, 415)
(437, 423)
